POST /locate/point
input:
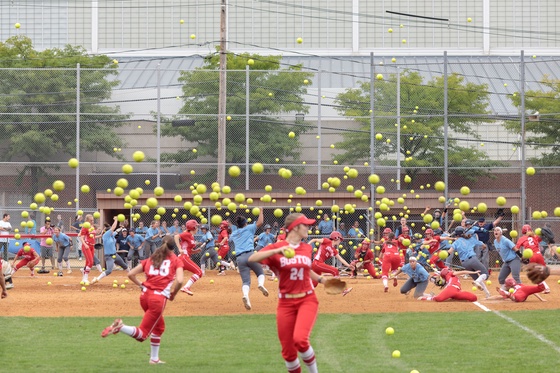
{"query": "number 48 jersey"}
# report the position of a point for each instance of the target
(160, 279)
(293, 273)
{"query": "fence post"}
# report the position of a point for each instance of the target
(247, 127)
(158, 135)
(78, 136)
(372, 130)
(523, 180)
(445, 132)
(398, 127)
(319, 141)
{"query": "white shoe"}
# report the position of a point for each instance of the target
(69, 271)
(263, 290)
(10, 285)
(157, 361)
(187, 290)
(247, 303)
(95, 279)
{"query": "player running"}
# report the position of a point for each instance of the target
(520, 292)
(29, 256)
(390, 258)
(164, 278)
(223, 247)
(530, 241)
(327, 249)
(185, 240)
(452, 290)
(110, 252)
(87, 239)
(297, 304)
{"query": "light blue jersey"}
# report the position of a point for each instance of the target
(208, 237)
(62, 240)
(265, 239)
(242, 238)
(135, 241)
(109, 243)
(505, 248)
(465, 247)
(417, 275)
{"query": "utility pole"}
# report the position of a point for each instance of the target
(222, 97)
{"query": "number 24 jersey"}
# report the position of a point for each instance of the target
(293, 273)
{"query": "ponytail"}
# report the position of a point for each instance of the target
(162, 252)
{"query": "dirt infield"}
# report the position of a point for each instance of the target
(33, 297)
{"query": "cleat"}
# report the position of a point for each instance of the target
(546, 291)
(346, 291)
(395, 282)
(425, 298)
(263, 290)
(157, 361)
(95, 279)
(10, 286)
(187, 290)
(221, 273)
(477, 284)
(60, 274)
(247, 303)
(386, 289)
(504, 293)
(114, 328)
(69, 271)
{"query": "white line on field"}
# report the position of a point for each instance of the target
(539, 336)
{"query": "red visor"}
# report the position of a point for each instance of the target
(301, 220)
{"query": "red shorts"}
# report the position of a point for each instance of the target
(27, 262)
(153, 306)
(189, 265)
(391, 262)
(537, 258)
(451, 292)
(223, 251)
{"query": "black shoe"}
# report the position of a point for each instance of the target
(43, 270)
(60, 274)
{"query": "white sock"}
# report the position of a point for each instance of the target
(103, 274)
(292, 366)
(309, 360)
(68, 265)
(154, 347)
(245, 289)
(99, 268)
(385, 282)
(203, 268)
(482, 278)
(260, 280)
(60, 266)
(128, 330)
(545, 286)
(225, 264)
(129, 263)
(192, 280)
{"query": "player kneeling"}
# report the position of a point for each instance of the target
(520, 292)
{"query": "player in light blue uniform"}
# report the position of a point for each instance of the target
(418, 278)
(265, 238)
(136, 244)
(242, 238)
(209, 251)
(63, 245)
(110, 252)
(153, 238)
(510, 257)
(464, 245)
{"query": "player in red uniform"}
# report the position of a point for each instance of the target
(29, 256)
(297, 304)
(405, 235)
(187, 245)
(530, 241)
(390, 258)
(223, 247)
(164, 278)
(432, 241)
(87, 238)
(520, 292)
(452, 288)
(363, 257)
(327, 249)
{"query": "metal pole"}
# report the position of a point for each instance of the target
(247, 127)
(398, 127)
(445, 131)
(158, 135)
(78, 136)
(222, 97)
(523, 179)
(372, 129)
(320, 140)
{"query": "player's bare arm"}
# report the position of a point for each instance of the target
(262, 255)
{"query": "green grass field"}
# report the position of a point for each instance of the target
(429, 342)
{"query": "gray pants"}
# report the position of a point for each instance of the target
(245, 268)
(139, 250)
(63, 253)
(110, 263)
(420, 287)
(152, 247)
(473, 264)
(482, 255)
(4, 248)
(212, 255)
(513, 267)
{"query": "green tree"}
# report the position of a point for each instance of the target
(422, 123)
(544, 133)
(38, 104)
(273, 92)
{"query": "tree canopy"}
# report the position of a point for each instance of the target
(38, 104)
(543, 133)
(422, 122)
(275, 96)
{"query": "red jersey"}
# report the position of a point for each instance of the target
(223, 234)
(529, 242)
(160, 279)
(364, 255)
(452, 280)
(187, 243)
(89, 236)
(26, 255)
(403, 236)
(325, 251)
(293, 273)
(434, 244)
(390, 247)
(281, 237)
